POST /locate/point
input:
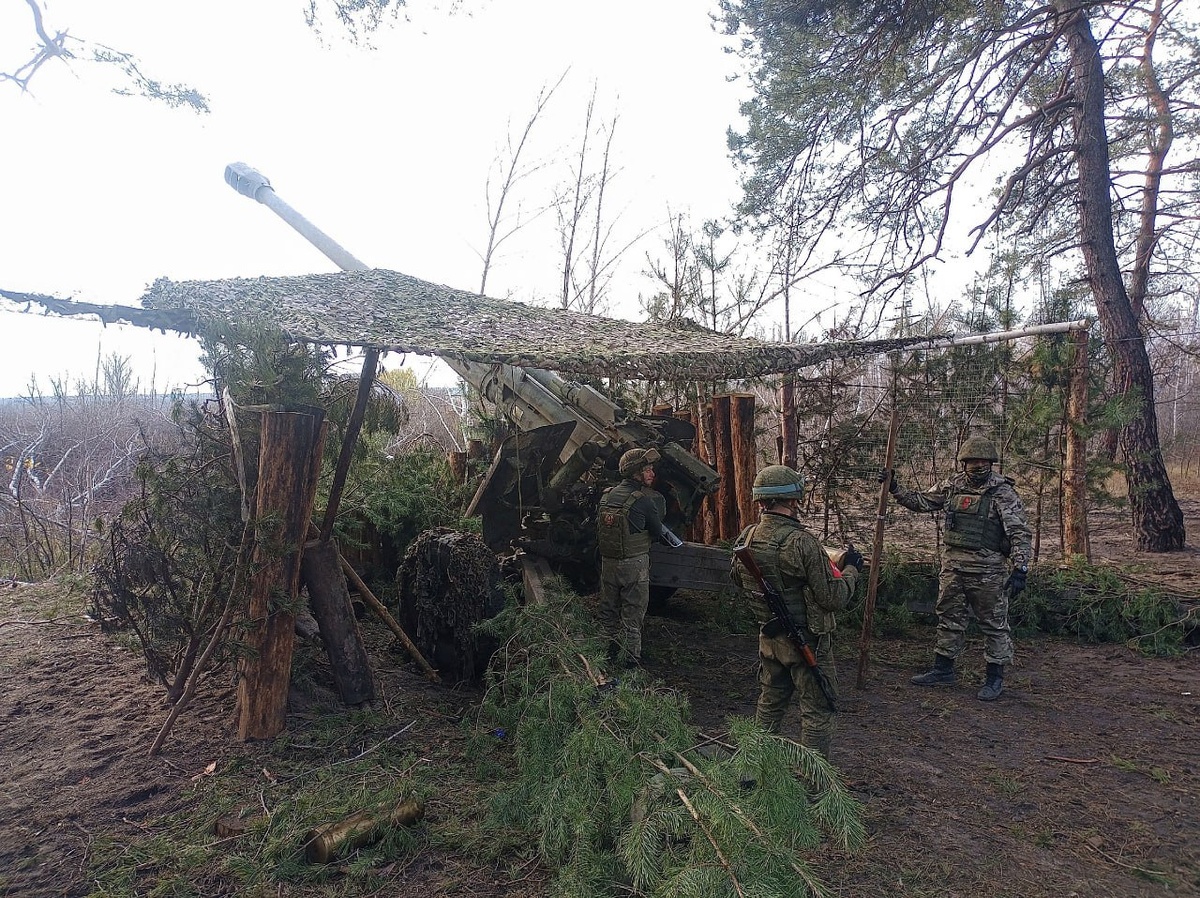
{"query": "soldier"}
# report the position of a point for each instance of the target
(630, 514)
(795, 564)
(987, 530)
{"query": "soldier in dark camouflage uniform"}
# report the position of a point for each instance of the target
(795, 564)
(986, 533)
(630, 515)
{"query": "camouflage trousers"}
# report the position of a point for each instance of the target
(624, 595)
(783, 674)
(959, 593)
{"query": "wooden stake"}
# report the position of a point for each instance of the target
(864, 642)
(726, 495)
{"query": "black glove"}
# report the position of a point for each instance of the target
(852, 558)
(1015, 582)
(888, 475)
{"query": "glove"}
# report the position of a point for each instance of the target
(887, 474)
(852, 558)
(1015, 582)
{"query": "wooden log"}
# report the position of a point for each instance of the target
(475, 450)
(458, 466)
(330, 841)
(706, 520)
(788, 439)
(289, 464)
(726, 497)
(662, 408)
(744, 451)
(535, 571)
(329, 597)
(1076, 541)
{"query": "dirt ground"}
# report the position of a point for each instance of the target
(1083, 780)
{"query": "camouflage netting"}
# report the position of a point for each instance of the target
(390, 311)
(449, 582)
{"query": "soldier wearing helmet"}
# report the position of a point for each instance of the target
(630, 515)
(794, 563)
(986, 549)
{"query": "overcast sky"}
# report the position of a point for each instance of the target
(387, 150)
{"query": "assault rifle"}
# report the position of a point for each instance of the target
(778, 607)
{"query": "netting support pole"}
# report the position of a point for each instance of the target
(864, 641)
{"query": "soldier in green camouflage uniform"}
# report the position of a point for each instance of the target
(630, 515)
(795, 564)
(986, 531)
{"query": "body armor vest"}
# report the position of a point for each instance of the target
(767, 556)
(612, 524)
(970, 525)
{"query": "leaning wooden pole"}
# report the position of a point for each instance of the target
(889, 458)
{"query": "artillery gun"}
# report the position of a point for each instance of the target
(543, 487)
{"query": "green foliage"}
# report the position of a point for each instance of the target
(1094, 604)
(261, 366)
(173, 551)
(598, 771)
(403, 495)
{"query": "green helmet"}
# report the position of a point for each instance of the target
(778, 482)
(636, 459)
(978, 447)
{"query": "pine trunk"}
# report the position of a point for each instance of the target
(1157, 518)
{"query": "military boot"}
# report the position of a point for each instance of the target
(941, 674)
(993, 683)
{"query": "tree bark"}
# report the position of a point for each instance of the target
(1156, 516)
(321, 571)
(726, 496)
(288, 468)
(743, 451)
(787, 422)
(706, 521)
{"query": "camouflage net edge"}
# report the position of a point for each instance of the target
(394, 312)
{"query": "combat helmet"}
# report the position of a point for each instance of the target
(976, 446)
(778, 482)
(636, 459)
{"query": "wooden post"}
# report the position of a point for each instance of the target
(706, 520)
(889, 459)
(744, 450)
(458, 466)
(1075, 525)
(726, 497)
(288, 468)
(663, 409)
(787, 421)
(329, 597)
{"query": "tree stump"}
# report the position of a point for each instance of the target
(449, 581)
